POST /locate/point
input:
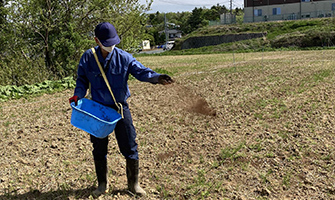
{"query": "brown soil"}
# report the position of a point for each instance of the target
(191, 101)
(272, 137)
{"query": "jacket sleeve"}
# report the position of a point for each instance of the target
(142, 73)
(82, 82)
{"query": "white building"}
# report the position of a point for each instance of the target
(272, 10)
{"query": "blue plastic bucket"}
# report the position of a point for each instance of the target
(94, 118)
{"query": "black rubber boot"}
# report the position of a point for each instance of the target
(132, 176)
(101, 171)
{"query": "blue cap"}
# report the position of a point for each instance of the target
(106, 34)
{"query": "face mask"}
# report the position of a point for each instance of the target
(108, 49)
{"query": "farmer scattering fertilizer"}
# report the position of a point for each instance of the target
(109, 87)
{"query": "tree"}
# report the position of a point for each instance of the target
(196, 20)
(219, 9)
(183, 18)
(59, 31)
(2, 12)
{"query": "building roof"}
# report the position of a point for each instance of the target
(253, 3)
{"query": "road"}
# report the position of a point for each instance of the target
(160, 50)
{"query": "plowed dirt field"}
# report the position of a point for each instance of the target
(233, 126)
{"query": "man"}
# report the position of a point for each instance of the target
(117, 65)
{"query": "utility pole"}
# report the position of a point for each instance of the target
(166, 30)
(231, 7)
(253, 10)
(300, 10)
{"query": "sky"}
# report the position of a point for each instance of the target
(188, 5)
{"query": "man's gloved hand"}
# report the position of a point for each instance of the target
(74, 99)
(165, 79)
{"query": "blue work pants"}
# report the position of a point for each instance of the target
(125, 135)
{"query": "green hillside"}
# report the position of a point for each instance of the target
(299, 34)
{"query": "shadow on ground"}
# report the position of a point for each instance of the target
(60, 194)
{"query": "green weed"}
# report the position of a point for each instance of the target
(164, 193)
(257, 147)
(231, 152)
(287, 179)
(6, 124)
(201, 186)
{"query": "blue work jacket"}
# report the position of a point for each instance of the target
(120, 65)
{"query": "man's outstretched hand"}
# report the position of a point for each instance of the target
(165, 79)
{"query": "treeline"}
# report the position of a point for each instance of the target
(186, 22)
(44, 39)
